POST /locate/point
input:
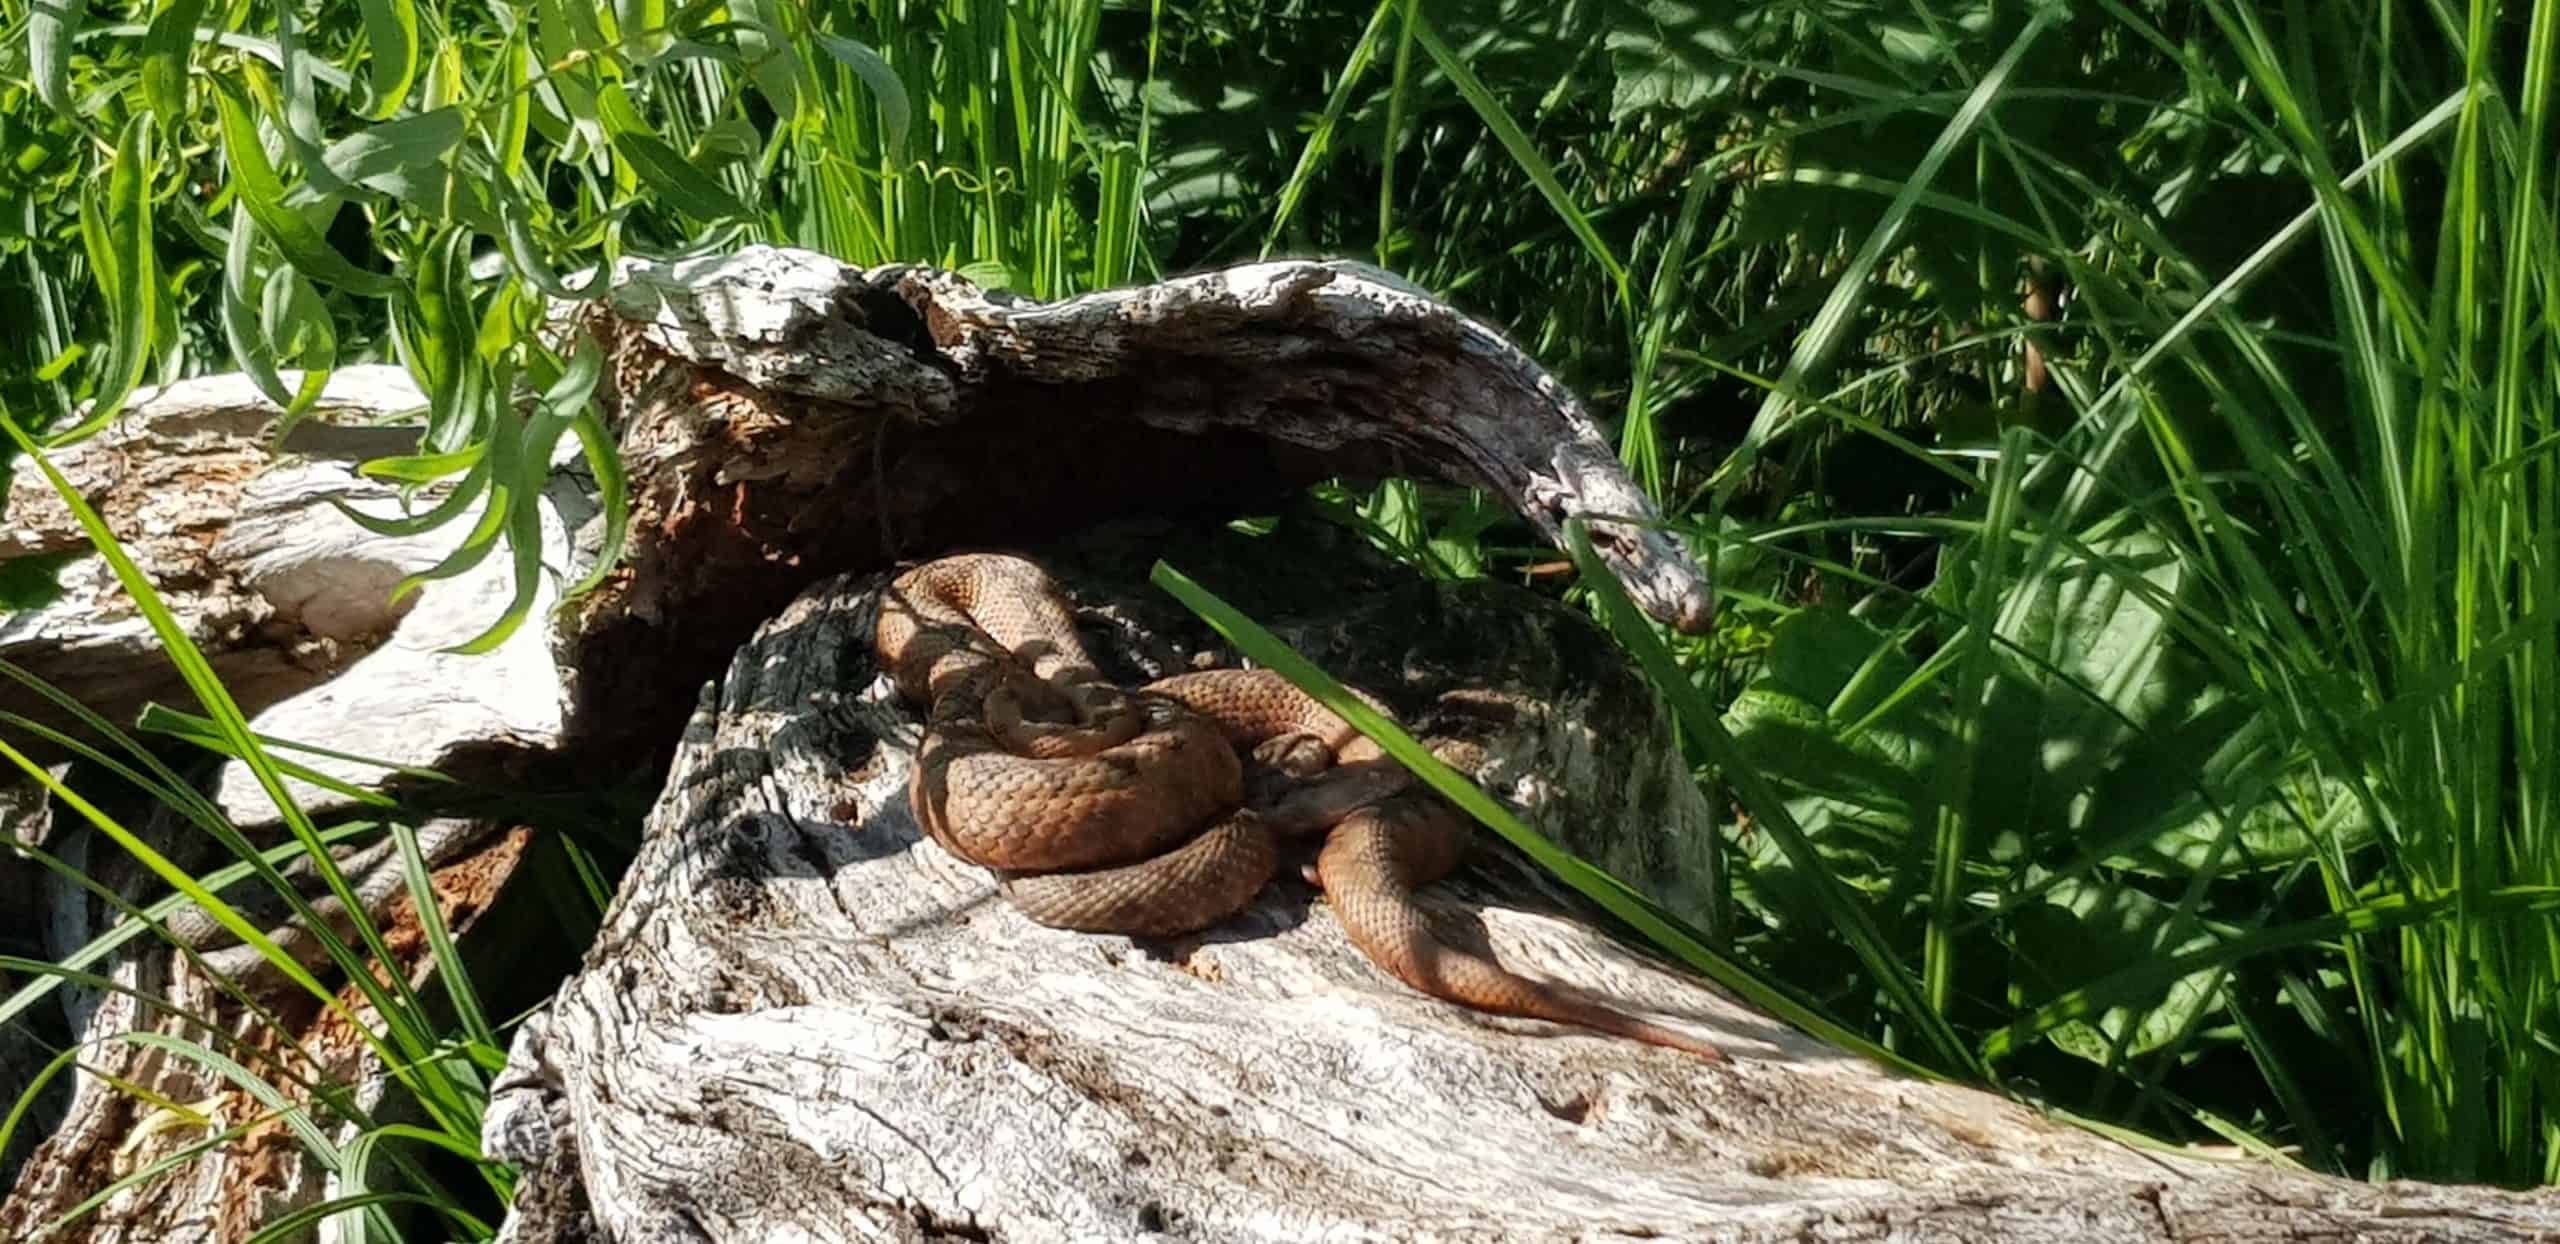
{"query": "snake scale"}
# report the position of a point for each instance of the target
(1161, 811)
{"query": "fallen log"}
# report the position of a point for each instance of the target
(799, 1020)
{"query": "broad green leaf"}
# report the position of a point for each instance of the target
(2306, 817)
(567, 49)
(1676, 62)
(666, 171)
(33, 581)
(294, 314)
(432, 322)
(1818, 723)
(612, 497)
(243, 327)
(2084, 930)
(642, 27)
(296, 99)
(51, 26)
(479, 542)
(886, 90)
(560, 407)
(474, 483)
(116, 230)
(450, 79)
(515, 114)
(402, 146)
(167, 49)
(525, 254)
(391, 38)
(582, 25)
(772, 63)
(988, 274)
(425, 468)
(263, 193)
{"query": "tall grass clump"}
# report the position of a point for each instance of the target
(2193, 754)
(2124, 436)
(2328, 466)
(2365, 486)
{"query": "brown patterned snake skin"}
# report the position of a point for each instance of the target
(1089, 801)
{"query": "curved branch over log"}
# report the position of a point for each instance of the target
(785, 410)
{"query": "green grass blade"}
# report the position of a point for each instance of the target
(1318, 147)
(1516, 142)
(1837, 320)
(1768, 809)
(1618, 898)
(182, 651)
(2381, 915)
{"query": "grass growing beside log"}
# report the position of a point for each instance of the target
(2124, 435)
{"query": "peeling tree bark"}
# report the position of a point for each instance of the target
(801, 1022)
(289, 602)
(279, 591)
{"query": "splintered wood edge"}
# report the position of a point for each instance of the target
(1456, 393)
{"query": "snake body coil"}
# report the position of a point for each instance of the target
(1159, 811)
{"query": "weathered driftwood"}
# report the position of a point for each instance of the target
(290, 602)
(800, 1022)
(169, 478)
(282, 592)
(803, 1022)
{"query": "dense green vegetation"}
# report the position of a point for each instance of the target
(2124, 432)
